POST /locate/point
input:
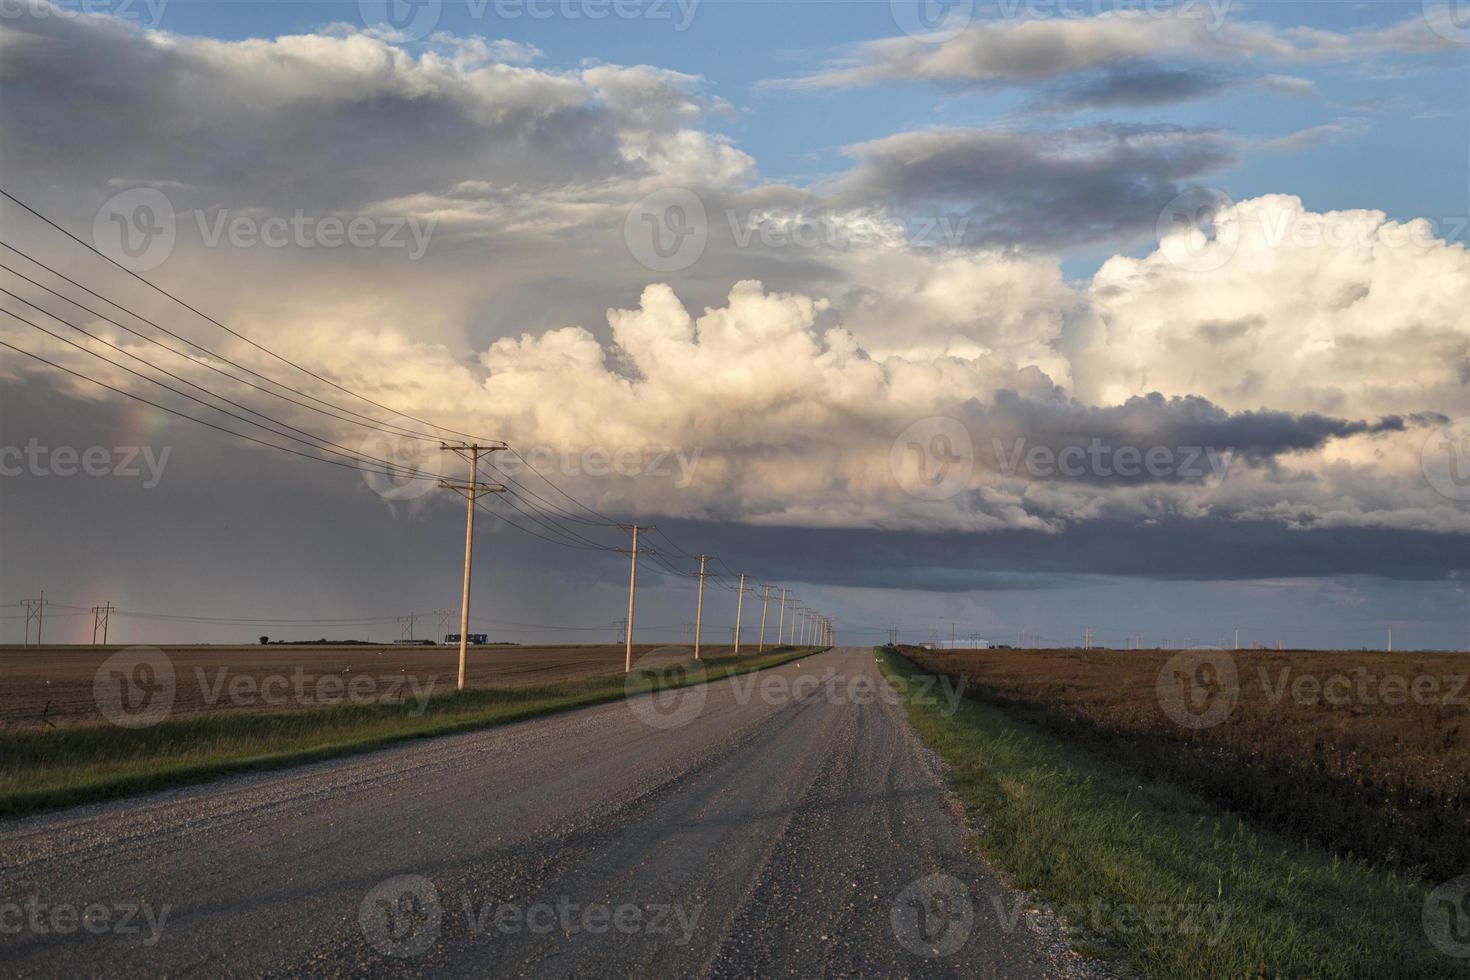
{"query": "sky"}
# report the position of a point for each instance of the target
(1011, 319)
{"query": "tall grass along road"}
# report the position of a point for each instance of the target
(1169, 883)
(785, 822)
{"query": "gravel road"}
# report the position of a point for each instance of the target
(785, 823)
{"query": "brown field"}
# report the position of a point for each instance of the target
(1376, 764)
(52, 685)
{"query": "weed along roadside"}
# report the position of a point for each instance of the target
(84, 763)
(1152, 876)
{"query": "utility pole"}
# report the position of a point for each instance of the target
(405, 627)
(794, 604)
(100, 617)
(1236, 645)
(632, 589)
(739, 612)
(618, 625)
(470, 453)
(781, 625)
(443, 615)
(699, 608)
(1390, 640)
(1087, 638)
(765, 601)
(35, 609)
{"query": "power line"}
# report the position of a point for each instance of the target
(350, 453)
(351, 417)
(210, 319)
(242, 435)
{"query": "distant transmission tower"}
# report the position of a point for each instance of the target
(35, 609)
(100, 617)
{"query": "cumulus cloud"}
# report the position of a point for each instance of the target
(1282, 306)
(338, 120)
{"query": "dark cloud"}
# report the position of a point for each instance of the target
(1136, 87)
(1039, 188)
(1153, 422)
(1192, 550)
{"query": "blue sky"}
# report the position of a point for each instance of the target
(1410, 119)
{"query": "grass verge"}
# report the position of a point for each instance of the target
(66, 766)
(1126, 863)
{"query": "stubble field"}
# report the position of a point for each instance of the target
(1365, 753)
(54, 686)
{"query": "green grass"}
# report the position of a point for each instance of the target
(65, 766)
(1084, 835)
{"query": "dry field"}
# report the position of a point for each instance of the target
(54, 685)
(1365, 753)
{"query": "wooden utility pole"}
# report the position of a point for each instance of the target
(699, 609)
(632, 591)
(781, 627)
(101, 615)
(470, 453)
(739, 612)
(765, 601)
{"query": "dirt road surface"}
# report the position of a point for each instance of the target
(786, 823)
